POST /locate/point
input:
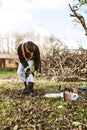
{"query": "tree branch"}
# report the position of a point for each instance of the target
(79, 17)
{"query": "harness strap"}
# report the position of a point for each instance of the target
(23, 52)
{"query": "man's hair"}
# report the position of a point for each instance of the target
(30, 45)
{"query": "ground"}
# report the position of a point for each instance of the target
(21, 112)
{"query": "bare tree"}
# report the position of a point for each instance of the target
(80, 18)
(18, 39)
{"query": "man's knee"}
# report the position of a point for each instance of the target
(19, 73)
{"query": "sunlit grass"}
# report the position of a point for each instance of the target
(7, 72)
(19, 111)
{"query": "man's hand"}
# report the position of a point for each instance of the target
(27, 71)
(34, 73)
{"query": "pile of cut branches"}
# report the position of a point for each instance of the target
(65, 65)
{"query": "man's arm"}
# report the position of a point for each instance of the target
(21, 58)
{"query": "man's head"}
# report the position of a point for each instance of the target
(30, 46)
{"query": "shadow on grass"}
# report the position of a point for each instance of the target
(17, 93)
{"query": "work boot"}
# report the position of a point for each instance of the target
(29, 89)
(24, 88)
(31, 84)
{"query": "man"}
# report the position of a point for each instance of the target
(30, 63)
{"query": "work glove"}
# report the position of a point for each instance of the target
(34, 72)
(27, 71)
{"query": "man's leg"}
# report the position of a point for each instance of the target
(21, 74)
(30, 79)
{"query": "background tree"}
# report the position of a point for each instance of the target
(79, 17)
(18, 39)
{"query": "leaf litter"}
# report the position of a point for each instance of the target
(21, 112)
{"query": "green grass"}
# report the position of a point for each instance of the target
(7, 72)
(24, 112)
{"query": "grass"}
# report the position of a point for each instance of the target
(21, 112)
(7, 72)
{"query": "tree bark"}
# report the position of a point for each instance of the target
(79, 17)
